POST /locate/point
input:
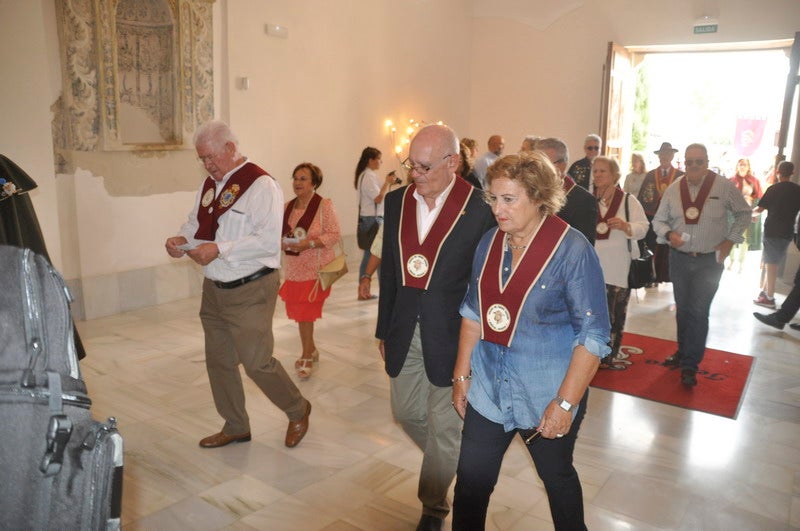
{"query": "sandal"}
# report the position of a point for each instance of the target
(304, 367)
(314, 358)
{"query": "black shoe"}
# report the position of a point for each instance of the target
(688, 377)
(430, 523)
(769, 320)
(673, 361)
(795, 326)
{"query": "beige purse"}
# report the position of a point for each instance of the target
(329, 273)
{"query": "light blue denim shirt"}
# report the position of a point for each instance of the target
(567, 307)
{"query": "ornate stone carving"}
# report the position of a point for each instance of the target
(153, 56)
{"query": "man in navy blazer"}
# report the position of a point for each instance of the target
(431, 229)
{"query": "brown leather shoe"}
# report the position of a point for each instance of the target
(297, 429)
(220, 439)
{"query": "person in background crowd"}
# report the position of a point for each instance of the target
(534, 326)
(615, 232)
(465, 170)
(473, 147)
(496, 145)
(581, 170)
(653, 187)
(634, 180)
(701, 216)
(580, 208)
(750, 188)
(782, 202)
(234, 232)
(792, 303)
(371, 192)
(311, 233)
(529, 143)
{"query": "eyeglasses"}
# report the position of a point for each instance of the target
(491, 199)
(422, 169)
(592, 148)
(695, 162)
(559, 161)
(530, 438)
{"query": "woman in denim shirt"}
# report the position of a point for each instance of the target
(534, 327)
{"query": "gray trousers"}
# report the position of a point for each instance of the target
(426, 414)
(238, 329)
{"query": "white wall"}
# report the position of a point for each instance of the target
(25, 98)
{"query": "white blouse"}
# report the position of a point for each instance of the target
(613, 252)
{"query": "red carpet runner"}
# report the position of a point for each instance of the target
(721, 380)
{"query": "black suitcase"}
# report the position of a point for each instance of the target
(59, 469)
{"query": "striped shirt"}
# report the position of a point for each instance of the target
(714, 225)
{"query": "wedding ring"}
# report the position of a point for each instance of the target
(559, 435)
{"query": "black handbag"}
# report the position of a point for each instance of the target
(641, 271)
(366, 231)
(367, 227)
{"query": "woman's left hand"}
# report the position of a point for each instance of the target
(555, 422)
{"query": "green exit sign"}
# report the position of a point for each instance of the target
(705, 28)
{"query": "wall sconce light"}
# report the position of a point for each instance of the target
(276, 30)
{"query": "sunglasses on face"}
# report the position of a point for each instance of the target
(592, 148)
(695, 162)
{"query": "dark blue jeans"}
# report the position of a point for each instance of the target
(483, 444)
(695, 280)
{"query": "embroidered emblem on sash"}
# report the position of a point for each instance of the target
(498, 317)
(229, 196)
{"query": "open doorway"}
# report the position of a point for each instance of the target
(729, 101)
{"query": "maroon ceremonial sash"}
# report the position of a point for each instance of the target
(210, 209)
(500, 305)
(602, 232)
(304, 222)
(418, 259)
(569, 184)
(693, 209)
(662, 182)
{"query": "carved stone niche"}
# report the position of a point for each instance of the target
(137, 75)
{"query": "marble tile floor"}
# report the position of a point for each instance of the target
(643, 465)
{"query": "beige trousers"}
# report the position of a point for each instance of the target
(238, 329)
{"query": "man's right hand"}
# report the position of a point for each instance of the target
(172, 246)
(675, 239)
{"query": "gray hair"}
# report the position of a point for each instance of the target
(593, 136)
(699, 146)
(556, 145)
(217, 133)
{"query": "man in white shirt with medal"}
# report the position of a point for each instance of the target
(234, 232)
(693, 220)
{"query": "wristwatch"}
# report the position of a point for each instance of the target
(563, 404)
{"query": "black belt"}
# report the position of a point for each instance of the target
(694, 255)
(244, 280)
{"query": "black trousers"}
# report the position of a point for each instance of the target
(483, 445)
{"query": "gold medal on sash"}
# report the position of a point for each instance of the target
(299, 233)
(417, 265)
(602, 227)
(208, 197)
(692, 213)
(498, 317)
